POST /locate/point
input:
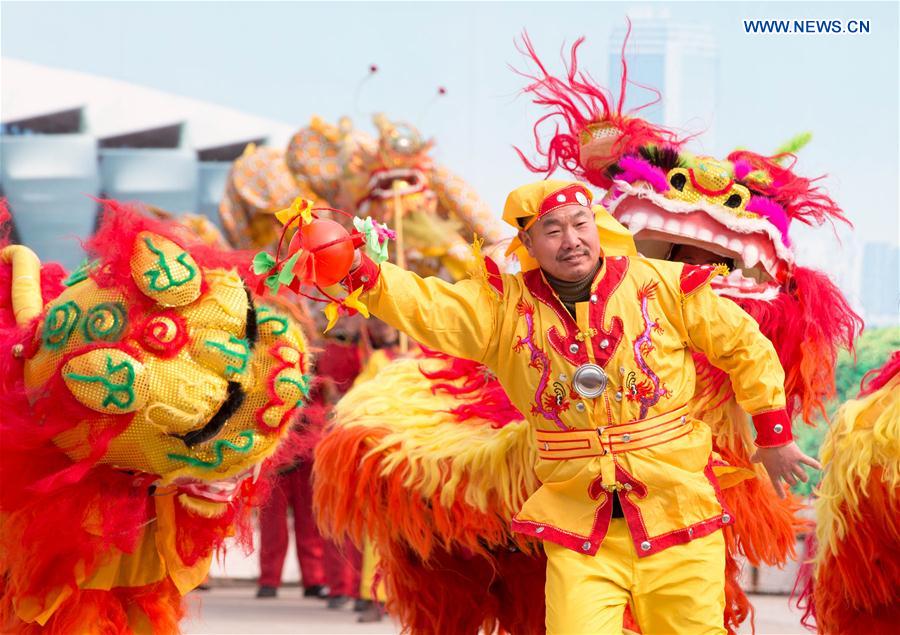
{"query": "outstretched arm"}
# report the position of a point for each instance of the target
(732, 341)
(455, 318)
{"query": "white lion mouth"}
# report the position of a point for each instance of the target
(658, 223)
(218, 491)
(736, 285)
(381, 183)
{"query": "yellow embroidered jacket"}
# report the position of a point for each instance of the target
(642, 323)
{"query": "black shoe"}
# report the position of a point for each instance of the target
(337, 601)
(374, 613)
(316, 591)
(267, 592)
(360, 605)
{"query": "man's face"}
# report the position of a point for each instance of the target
(564, 242)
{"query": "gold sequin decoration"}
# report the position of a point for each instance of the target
(714, 176)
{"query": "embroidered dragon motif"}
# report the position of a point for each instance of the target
(649, 391)
(548, 406)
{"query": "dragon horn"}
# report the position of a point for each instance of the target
(26, 282)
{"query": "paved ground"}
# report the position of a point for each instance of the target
(774, 616)
(235, 610)
(232, 610)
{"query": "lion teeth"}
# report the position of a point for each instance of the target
(672, 226)
(638, 222)
(751, 256)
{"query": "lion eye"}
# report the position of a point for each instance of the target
(678, 181)
(734, 201)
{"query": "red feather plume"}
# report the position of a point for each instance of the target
(576, 102)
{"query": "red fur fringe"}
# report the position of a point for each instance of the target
(301, 441)
(799, 197)
(766, 527)
(370, 503)
(59, 515)
(5, 222)
(196, 536)
(113, 612)
(856, 591)
(112, 245)
(484, 396)
(575, 102)
(519, 589)
(46, 500)
(445, 570)
(878, 378)
(12, 369)
(44, 539)
(804, 586)
(737, 605)
(456, 592)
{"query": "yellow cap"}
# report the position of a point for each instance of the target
(536, 199)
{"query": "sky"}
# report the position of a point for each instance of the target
(289, 61)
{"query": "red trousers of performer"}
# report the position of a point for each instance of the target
(343, 564)
(292, 488)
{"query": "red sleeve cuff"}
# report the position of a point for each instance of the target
(773, 429)
(365, 276)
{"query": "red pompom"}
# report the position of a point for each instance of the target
(330, 264)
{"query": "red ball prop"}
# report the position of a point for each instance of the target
(332, 264)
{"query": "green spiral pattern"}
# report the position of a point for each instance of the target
(59, 324)
(104, 322)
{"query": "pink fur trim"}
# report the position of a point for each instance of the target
(773, 212)
(741, 169)
(635, 169)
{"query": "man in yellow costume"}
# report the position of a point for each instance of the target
(593, 344)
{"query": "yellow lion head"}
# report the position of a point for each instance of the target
(170, 352)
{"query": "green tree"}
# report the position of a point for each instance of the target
(872, 350)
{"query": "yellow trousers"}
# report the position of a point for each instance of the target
(677, 591)
(367, 575)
